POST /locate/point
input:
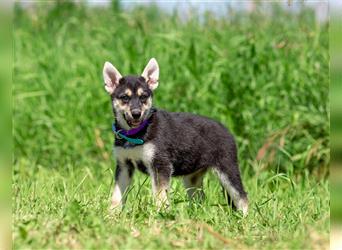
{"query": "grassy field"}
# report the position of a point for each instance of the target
(266, 77)
(69, 209)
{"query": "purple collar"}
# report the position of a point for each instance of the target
(132, 131)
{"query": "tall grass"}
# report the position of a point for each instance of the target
(264, 77)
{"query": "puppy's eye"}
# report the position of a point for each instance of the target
(125, 98)
(143, 98)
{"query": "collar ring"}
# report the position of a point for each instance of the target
(118, 135)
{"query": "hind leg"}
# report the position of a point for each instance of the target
(229, 176)
(193, 184)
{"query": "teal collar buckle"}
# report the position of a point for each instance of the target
(120, 135)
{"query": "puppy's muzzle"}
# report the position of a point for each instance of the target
(136, 114)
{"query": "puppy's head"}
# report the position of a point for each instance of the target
(131, 95)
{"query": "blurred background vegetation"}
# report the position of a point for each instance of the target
(266, 77)
(336, 127)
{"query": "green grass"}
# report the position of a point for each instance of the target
(266, 77)
(69, 209)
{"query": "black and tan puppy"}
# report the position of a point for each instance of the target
(164, 144)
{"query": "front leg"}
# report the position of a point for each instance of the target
(161, 177)
(123, 177)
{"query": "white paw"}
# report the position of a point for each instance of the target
(243, 206)
(162, 203)
(116, 204)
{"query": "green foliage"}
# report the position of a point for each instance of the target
(266, 77)
(257, 75)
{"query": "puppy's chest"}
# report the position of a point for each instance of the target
(144, 153)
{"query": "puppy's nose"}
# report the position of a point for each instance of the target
(136, 113)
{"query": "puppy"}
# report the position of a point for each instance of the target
(165, 144)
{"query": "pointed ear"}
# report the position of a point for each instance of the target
(111, 77)
(151, 74)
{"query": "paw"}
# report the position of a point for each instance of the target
(116, 205)
(162, 204)
(242, 205)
